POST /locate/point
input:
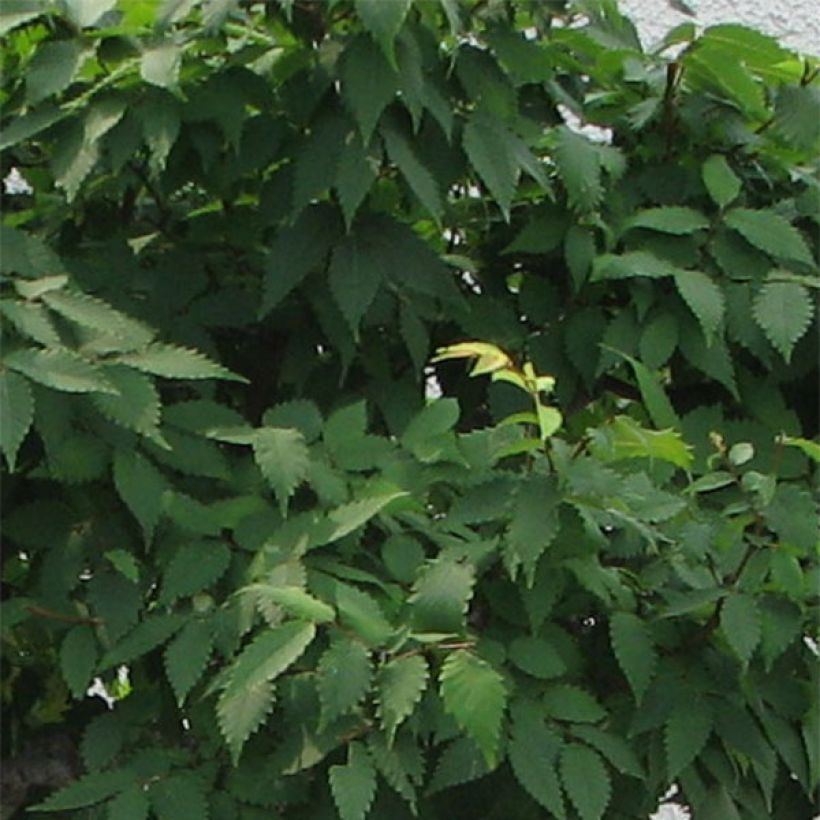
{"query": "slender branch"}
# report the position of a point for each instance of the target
(42, 612)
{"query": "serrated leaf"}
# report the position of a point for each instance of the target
(533, 527)
(685, 734)
(144, 637)
(461, 762)
(657, 403)
(490, 149)
(354, 784)
(633, 647)
(797, 114)
(415, 336)
(784, 311)
(740, 622)
(475, 695)
(283, 458)
(270, 653)
(136, 405)
(102, 740)
(173, 362)
(400, 764)
(720, 180)
(536, 657)
(579, 167)
(771, 233)
(52, 69)
(357, 171)
(342, 678)
(296, 602)
(658, 340)
(93, 313)
(87, 791)
(704, 298)
(241, 712)
(354, 276)
(179, 797)
(368, 83)
(533, 754)
(78, 659)
(16, 412)
(31, 319)
(418, 177)
(579, 252)
(160, 118)
(613, 747)
(193, 568)
(187, 655)
(350, 517)
(362, 613)
(631, 264)
(400, 685)
(160, 64)
(296, 251)
(73, 158)
(141, 486)
(383, 21)
(586, 780)
(61, 369)
(441, 596)
(624, 438)
(317, 162)
(672, 219)
(565, 701)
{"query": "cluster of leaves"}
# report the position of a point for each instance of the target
(250, 225)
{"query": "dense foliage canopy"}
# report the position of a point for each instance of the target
(586, 573)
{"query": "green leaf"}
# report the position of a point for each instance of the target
(187, 656)
(658, 340)
(141, 487)
(343, 678)
(630, 265)
(179, 797)
(102, 740)
(579, 167)
(567, 702)
(771, 233)
(368, 83)
(297, 251)
(624, 438)
(675, 220)
(32, 320)
(362, 613)
(87, 791)
(401, 764)
(73, 159)
(317, 162)
(533, 754)
(635, 651)
(533, 527)
(61, 369)
(475, 695)
(173, 362)
(657, 402)
(297, 602)
(421, 181)
(241, 712)
(355, 175)
(78, 659)
(350, 517)
(383, 21)
(586, 780)
(613, 747)
(16, 412)
(415, 335)
(784, 311)
(685, 734)
(136, 406)
(93, 313)
(810, 448)
(740, 622)
(270, 654)
(461, 762)
(579, 252)
(704, 298)
(441, 596)
(354, 784)
(490, 149)
(720, 180)
(797, 114)
(354, 278)
(52, 69)
(400, 684)
(146, 636)
(160, 64)
(160, 127)
(536, 657)
(193, 568)
(283, 458)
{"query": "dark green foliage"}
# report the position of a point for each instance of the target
(571, 582)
